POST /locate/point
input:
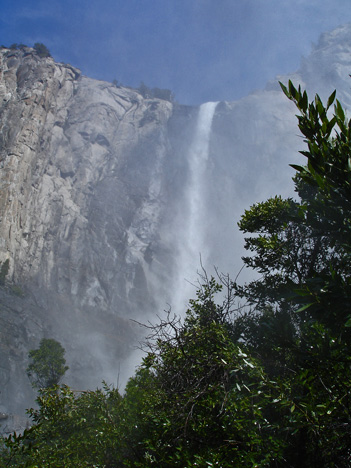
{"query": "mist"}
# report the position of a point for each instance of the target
(237, 154)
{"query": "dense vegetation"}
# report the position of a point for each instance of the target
(264, 384)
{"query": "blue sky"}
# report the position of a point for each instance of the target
(203, 50)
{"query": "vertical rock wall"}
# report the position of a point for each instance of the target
(82, 196)
(80, 180)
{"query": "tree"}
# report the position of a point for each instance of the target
(48, 364)
(70, 429)
(302, 251)
(209, 398)
(144, 90)
(41, 50)
(327, 176)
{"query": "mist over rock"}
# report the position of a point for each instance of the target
(81, 202)
(96, 185)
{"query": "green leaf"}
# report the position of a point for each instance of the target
(297, 168)
(293, 90)
(305, 307)
(331, 99)
(339, 111)
(249, 364)
(285, 89)
(320, 107)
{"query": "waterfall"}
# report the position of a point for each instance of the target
(192, 238)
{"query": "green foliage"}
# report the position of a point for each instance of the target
(71, 430)
(286, 251)
(211, 400)
(14, 449)
(302, 251)
(48, 364)
(41, 50)
(16, 46)
(328, 177)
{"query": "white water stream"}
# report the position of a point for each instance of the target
(192, 239)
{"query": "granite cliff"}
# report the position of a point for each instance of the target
(106, 203)
(81, 201)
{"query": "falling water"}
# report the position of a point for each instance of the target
(191, 242)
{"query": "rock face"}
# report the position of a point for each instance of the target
(104, 199)
(81, 200)
(80, 179)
